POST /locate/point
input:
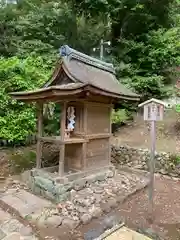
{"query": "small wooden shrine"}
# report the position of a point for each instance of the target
(86, 89)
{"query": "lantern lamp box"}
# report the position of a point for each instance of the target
(153, 109)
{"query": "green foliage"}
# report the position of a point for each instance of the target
(146, 66)
(145, 49)
(17, 119)
(175, 159)
(128, 18)
(42, 27)
(119, 116)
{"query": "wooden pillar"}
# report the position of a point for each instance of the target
(62, 134)
(110, 131)
(84, 146)
(39, 134)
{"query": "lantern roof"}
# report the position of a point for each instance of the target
(152, 100)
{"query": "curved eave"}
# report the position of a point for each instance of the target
(117, 97)
(61, 93)
(52, 92)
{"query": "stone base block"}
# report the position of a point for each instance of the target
(55, 188)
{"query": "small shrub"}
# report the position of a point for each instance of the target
(174, 160)
(119, 116)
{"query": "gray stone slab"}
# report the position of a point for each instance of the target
(11, 226)
(4, 216)
(13, 201)
(31, 199)
(24, 202)
(2, 234)
(13, 236)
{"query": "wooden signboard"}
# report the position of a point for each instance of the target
(153, 111)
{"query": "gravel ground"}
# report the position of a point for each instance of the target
(83, 209)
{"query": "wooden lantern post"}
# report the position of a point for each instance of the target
(153, 111)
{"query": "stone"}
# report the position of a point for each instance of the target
(73, 193)
(49, 195)
(100, 177)
(62, 197)
(98, 190)
(86, 218)
(44, 183)
(110, 174)
(11, 225)
(16, 182)
(163, 171)
(93, 234)
(91, 179)
(65, 212)
(75, 218)
(85, 202)
(13, 236)
(136, 158)
(97, 198)
(105, 207)
(139, 166)
(62, 180)
(95, 212)
(112, 203)
(79, 184)
(55, 211)
(70, 223)
(110, 221)
(172, 174)
(2, 234)
(115, 190)
(53, 221)
(175, 178)
(81, 209)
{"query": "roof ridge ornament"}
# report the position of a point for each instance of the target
(70, 53)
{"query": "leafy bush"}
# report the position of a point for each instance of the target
(17, 119)
(175, 159)
(119, 116)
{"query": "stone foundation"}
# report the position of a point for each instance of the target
(139, 159)
(47, 183)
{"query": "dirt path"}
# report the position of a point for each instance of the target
(137, 134)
